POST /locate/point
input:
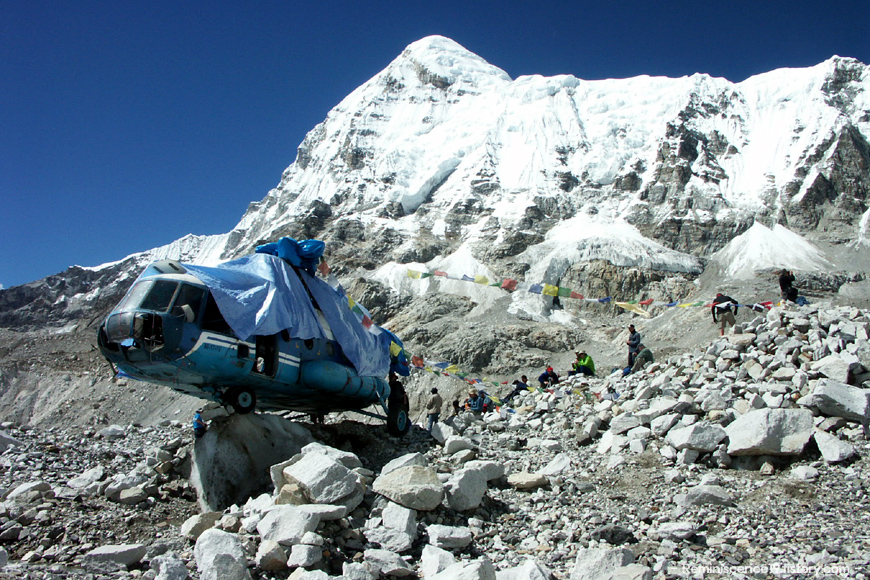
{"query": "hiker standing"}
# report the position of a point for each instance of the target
(433, 408)
(786, 279)
(722, 306)
(633, 343)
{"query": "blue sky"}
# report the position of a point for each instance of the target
(126, 125)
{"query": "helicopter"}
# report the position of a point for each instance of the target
(260, 332)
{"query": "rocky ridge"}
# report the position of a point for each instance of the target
(745, 458)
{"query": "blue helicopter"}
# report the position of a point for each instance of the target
(261, 332)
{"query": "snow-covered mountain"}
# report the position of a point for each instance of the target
(442, 161)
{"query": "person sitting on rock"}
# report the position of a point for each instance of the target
(583, 365)
(199, 426)
(476, 403)
(644, 357)
(520, 386)
(548, 378)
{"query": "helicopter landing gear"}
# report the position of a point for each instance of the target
(241, 399)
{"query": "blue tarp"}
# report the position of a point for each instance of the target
(260, 294)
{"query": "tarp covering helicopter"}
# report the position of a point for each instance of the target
(258, 332)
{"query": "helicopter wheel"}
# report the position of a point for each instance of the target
(242, 399)
(398, 421)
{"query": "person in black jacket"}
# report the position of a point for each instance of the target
(786, 279)
(722, 311)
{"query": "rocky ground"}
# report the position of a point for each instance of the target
(743, 458)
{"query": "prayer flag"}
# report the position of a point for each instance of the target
(509, 284)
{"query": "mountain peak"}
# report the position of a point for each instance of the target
(449, 60)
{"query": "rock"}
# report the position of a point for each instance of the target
(220, 556)
(6, 441)
(271, 557)
(465, 489)
(349, 460)
(434, 560)
(704, 437)
(448, 537)
(524, 480)
(455, 444)
(303, 556)
(404, 461)
(598, 563)
(194, 526)
(413, 486)
(169, 567)
(614, 535)
(804, 472)
(832, 366)
(232, 460)
(833, 449)
(675, 530)
(622, 423)
(400, 518)
(112, 432)
(87, 478)
(123, 554)
(837, 399)
(703, 495)
(30, 487)
(325, 480)
(530, 569)
(388, 563)
(287, 524)
(480, 569)
(770, 432)
(632, 572)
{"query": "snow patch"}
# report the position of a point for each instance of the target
(762, 248)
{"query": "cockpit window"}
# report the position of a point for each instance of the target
(160, 296)
(134, 296)
(188, 296)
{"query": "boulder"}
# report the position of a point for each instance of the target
(220, 556)
(770, 432)
(530, 569)
(598, 563)
(449, 537)
(325, 480)
(412, 486)
(837, 399)
(287, 524)
(480, 569)
(832, 448)
(123, 554)
(704, 437)
(465, 489)
(231, 461)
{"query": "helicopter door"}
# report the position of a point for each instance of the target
(266, 355)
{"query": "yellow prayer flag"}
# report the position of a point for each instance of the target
(478, 279)
(550, 290)
(632, 308)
